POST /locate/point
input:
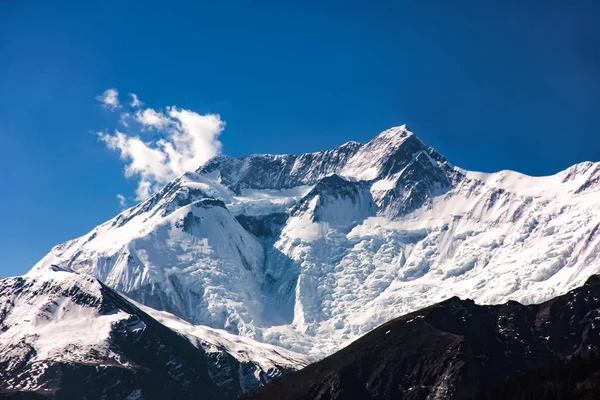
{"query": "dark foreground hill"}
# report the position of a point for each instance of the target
(459, 350)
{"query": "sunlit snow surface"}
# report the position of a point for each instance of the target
(41, 323)
(399, 230)
(266, 357)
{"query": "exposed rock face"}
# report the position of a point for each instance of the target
(459, 350)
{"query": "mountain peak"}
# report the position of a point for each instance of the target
(395, 132)
(391, 140)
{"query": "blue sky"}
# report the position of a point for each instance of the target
(491, 85)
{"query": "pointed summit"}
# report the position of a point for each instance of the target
(387, 154)
(394, 133)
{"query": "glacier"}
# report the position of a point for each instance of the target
(311, 251)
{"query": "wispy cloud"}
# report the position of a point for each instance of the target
(180, 140)
(135, 101)
(124, 119)
(122, 201)
(110, 99)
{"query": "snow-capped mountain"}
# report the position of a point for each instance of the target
(66, 335)
(311, 251)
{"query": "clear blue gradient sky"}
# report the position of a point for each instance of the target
(491, 85)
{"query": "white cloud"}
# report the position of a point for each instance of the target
(145, 189)
(184, 140)
(124, 119)
(110, 99)
(135, 101)
(152, 118)
(122, 201)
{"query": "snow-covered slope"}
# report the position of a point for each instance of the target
(311, 251)
(178, 239)
(66, 335)
(236, 363)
